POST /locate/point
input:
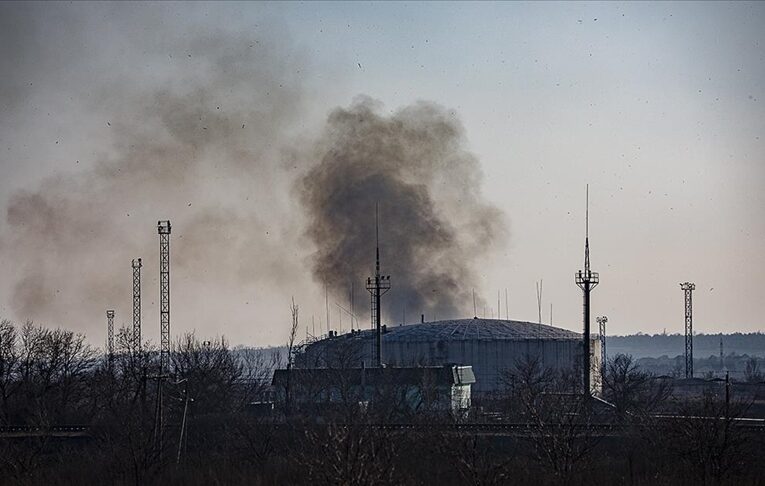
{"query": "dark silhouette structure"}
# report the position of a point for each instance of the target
(586, 280)
(136, 264)
(110, 335)
(688, 288)
(377, 286)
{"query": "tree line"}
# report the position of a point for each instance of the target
(219, 427)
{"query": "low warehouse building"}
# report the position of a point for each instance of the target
(490, 346)
(409, 390)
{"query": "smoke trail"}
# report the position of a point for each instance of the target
(434, 222)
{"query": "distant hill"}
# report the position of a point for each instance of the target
(704, 345)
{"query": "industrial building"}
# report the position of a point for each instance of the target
(410, 389)
(490, 346)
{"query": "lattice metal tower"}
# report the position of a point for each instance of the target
(602, 334)
(163, 228)
(586, 280)
(377, 287)
(110, 336)
(688, 288)
(722, 356)
(136, 344)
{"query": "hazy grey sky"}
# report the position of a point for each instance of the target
(658, 106)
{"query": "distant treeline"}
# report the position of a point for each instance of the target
(671, 345)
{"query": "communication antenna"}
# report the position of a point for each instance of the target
(326, 303)
(539, 300)
(688, 288)
(136, 264)
(475, 312)
(352, 311)
(586, 280)
(110, 336)
(551, 315)
(377, 287)
(507, 313)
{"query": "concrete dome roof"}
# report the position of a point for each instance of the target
(472, 329)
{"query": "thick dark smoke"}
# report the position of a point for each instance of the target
(145, 119)
(434, 224)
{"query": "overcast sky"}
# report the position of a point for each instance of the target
(657, 106)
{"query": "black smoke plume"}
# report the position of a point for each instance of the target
(434, 223)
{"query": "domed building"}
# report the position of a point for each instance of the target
(490, 346)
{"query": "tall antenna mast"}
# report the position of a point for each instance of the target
(110, 337)
(507, 313)
(136, 264)
(475, 312)
(163, 228)
(688, 288)
(353, 313)
(326, 304)
(587, 230)
(377, 287)
(586, 280)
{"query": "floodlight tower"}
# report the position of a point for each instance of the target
(110, 336)
(586, 280)
(602, 334)
(137, 305)
(377, 287)
(688, 288)
(163, 228)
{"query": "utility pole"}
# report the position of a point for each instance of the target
(377, 287)
(688, 288)
(110, 337)
(586, 280)
(184, 434)
(136, 264)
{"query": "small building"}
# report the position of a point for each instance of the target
(402, 391)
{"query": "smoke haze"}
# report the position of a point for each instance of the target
(207, 128)
(199, 145)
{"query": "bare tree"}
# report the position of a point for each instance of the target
(355, 453)
(211, 372)
(9, 363)
(475, 462)
(559, 417)
(707, 437)
(752, 373)
(290, 358)
(633, 392)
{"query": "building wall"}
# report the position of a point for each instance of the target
(490, 359)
